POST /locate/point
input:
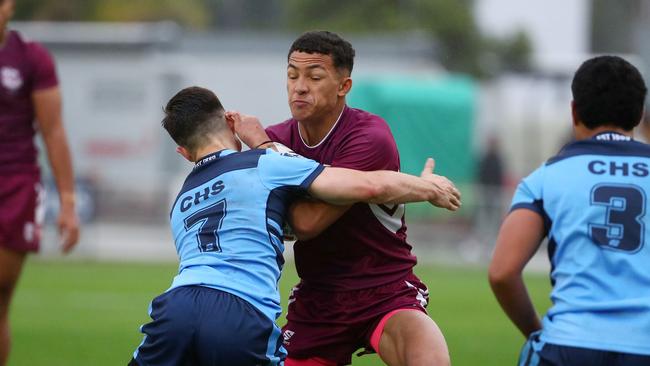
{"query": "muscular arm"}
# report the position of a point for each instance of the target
(340, 186)
(520, 236)
(308, 218)
(47, 107)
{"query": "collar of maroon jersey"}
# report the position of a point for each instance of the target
(345, 107)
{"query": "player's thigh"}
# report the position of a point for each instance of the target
(11, 264)
(411, 335)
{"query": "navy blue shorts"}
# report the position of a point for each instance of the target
(194, 325)
(537, 353)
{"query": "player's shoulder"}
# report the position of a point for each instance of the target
(29, 45)
(281, 130)
(368, 127)
(603, 148)
(366, 119)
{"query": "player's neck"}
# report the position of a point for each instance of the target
(314, 131)
(3, 37)
(213, 148)
(583, 133)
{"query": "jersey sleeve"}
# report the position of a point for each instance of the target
(529, 193)
(287, 169)
(43, 66)
(368, 148)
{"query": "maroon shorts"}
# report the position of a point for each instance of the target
(333, 325)
(21, 212)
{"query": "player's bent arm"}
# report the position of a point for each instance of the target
(47, 108)
(308, 218)
(345, 186)
(342, 186)
(519, 237)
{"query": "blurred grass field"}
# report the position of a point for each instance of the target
(69, 313)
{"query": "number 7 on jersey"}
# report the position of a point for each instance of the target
(209, 220)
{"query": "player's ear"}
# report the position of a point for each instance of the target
(231, 124)
(574, 113)
(186, 154)
(344, 86)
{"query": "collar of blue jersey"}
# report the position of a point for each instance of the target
(611, 136)
(212, 156)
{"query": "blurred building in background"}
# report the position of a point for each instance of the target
(451, 79)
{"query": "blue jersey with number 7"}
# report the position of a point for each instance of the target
(594, 197)
(227, 222)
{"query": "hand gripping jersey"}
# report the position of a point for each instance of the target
(227, 222)
(367, 246)
(24, 68)
(595, 199)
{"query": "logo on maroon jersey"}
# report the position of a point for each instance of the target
(10, 78)
(287, 336)
(389, 210)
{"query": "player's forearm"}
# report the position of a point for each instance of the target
(513, 297)
(308, 218)
(58, 154)
(395, 188)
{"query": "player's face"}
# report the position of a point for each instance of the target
(314, 86)
(6, 12)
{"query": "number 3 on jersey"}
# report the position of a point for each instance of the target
(209, 222)
(623, 228)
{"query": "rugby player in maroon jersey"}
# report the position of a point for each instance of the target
(357, 288)
(29, 92)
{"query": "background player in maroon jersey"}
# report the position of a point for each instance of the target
(28, 91)
(357, 287)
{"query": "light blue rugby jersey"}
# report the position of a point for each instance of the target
(227, 222)
(595, 199)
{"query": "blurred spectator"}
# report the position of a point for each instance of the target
(29, 90)
(489, 210)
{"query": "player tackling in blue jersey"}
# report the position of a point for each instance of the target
(227, 225)
(592, 201)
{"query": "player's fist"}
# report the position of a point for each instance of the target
(248, 128)
(446, 194)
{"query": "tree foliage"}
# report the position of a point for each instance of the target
(458, 43)
(191, 13)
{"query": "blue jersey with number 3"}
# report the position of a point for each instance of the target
(594, 198)
(227, 222)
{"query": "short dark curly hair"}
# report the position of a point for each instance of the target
(607, 90)
(192, 115)
(326, 43)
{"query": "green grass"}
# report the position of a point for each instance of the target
(79, 313)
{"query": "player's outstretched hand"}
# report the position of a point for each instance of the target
(248, 128)
(68, 224)
(448, 195)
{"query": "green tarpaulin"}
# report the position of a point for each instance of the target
(429, 117)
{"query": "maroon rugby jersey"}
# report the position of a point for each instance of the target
(367, 246)
(25, 67)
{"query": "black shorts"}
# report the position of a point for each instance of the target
(194, 325)
(534, 353)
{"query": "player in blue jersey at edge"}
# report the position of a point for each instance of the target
(592, 202)
(227, 225)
